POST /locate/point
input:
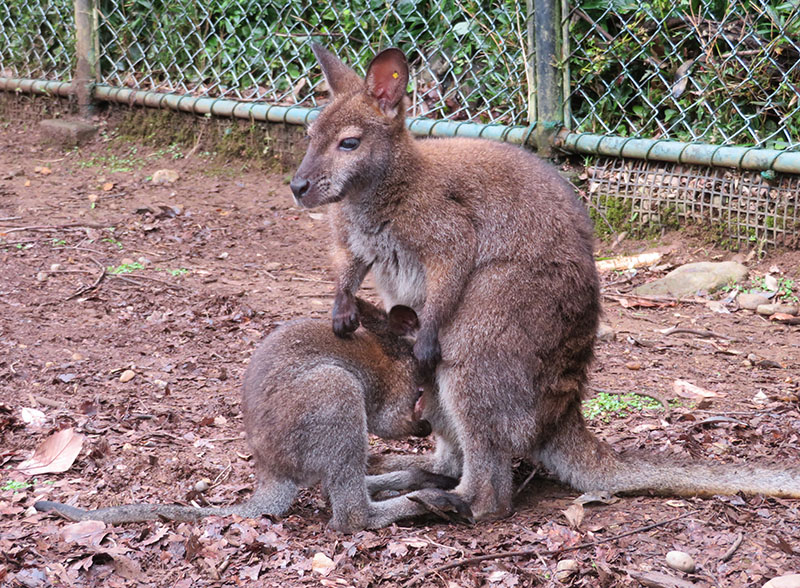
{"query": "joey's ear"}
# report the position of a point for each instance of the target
(403, 320)
(387, 79)
(340, 77)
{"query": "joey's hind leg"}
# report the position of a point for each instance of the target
(445, 460)
(413, 478)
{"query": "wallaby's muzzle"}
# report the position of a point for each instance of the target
(299, 188)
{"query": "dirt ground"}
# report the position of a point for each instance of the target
(102, 271)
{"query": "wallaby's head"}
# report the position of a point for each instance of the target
(350, 143)
(399, 408)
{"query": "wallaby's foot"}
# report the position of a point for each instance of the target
(447, 505)
(345, 314)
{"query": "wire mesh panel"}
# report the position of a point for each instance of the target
(468, 58)
(736, 208)
(37, 39)
(692, 70)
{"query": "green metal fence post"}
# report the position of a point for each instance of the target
(86, 55)
(549, 98)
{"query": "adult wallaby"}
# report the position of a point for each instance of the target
(493, 250)
(309, 399)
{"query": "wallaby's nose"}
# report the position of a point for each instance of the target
(299, 187)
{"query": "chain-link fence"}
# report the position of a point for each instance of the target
(468, 62)
(688, 70)
(37, 39)
(692, 70)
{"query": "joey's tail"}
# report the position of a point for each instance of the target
(274, 500)
(587, 464)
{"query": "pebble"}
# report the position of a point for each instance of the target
(55, 267)
(565, 569)
(787, 581)
(681, 561)
(202, 485)
(165, 176)
(751, 301)
(41, 277)
(127, 376)
(777, 307)
(605, 332)
(633, 365)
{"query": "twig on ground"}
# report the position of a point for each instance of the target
(94, 284)
(729, 554)
(529, 552)
(68, 226)
(133, 280)
(527, 481)
(699, 332)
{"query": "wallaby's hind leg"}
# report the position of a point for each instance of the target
(444, 460)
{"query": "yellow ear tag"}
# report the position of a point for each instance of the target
(395, 75)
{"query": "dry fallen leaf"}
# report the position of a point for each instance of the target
(89, 533)
(686, 389)
(32, 417)
(574, 513)
(56, 454)
(108, 186)
(322, 564)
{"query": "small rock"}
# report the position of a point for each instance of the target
(751, 301)
(771, 282)
(777, 307)
(633, 365)
(160, 384)
(41, 277)
(691, 278)
(605, 332)
(144, 260)
(565, 569)
(55, 267)
(223, 255)
(127, 261)
(165, 176)
(202, 485)
(681, 561)
(77, 356)
(271, 266)
(127, 376)
(65, 378)
(220, 421)
(787, 581)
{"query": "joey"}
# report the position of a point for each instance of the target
(309, 399)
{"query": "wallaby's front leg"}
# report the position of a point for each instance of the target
(447, 268)
(350, 273)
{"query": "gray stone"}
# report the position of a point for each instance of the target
(751, 301)
(67, 132)
(165, 176)
(605, 332)
(689, 279)
(770, 309)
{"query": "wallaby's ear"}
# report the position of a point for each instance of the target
(340, 77)
(403, 320)
(387, 79)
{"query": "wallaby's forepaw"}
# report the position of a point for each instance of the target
(445, 504)
(345, 314)
(427, 350)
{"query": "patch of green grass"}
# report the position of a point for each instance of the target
(58, 242)
(181, 271)
(16, 486)
(606, 405)
(785, 291)
(125, 268)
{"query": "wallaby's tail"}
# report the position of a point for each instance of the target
(587, 464)
(273, 500)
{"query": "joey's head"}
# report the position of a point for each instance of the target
(399, 404)
(351, 142)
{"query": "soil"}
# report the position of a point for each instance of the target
(102, 271)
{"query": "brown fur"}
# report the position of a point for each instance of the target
(309, 399)
(491, 247)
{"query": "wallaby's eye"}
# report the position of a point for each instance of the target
(349, 144)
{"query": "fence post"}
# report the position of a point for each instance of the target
(86, 56)
(549, 97)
